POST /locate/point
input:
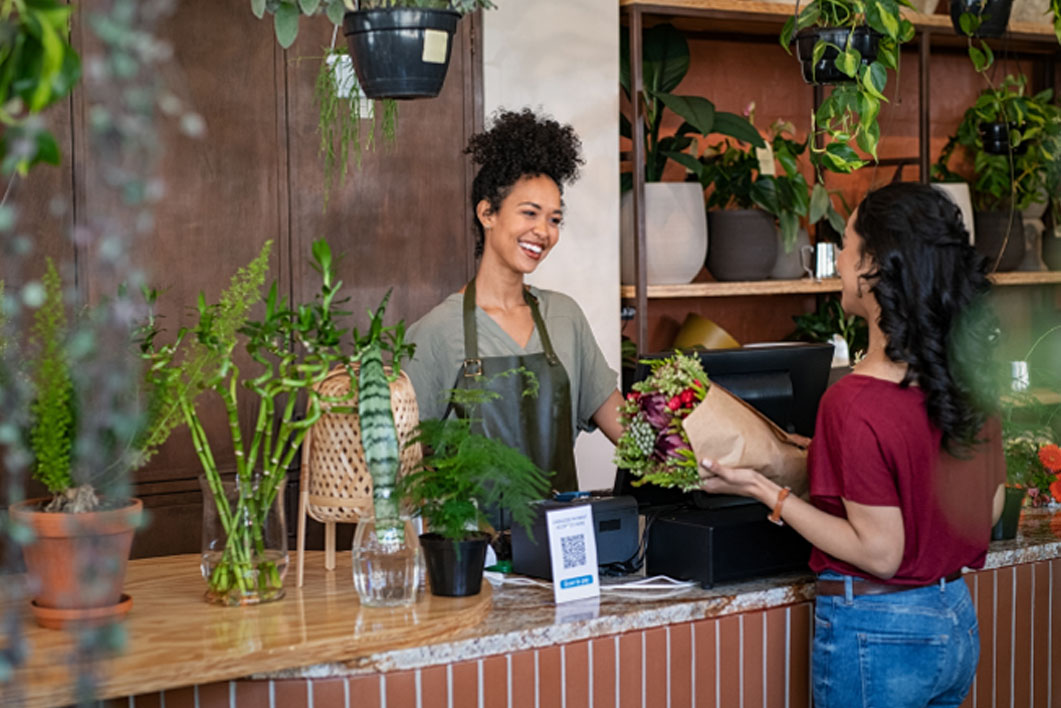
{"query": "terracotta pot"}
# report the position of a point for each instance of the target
(77, 561)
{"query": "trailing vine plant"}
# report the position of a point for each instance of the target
(849, 113)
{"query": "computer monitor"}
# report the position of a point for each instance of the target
(783, 380)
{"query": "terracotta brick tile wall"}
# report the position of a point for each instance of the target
(753, 659)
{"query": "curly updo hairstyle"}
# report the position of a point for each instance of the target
(520, 144)
(931, 286)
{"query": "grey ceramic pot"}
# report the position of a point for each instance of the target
(991, 229)
(743, 244)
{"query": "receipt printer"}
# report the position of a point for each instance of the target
(615, 522)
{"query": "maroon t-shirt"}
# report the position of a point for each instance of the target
(874, 444)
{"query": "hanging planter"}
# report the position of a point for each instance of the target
(996, 138)
(822, 70)
(402, 52)
(982, 18)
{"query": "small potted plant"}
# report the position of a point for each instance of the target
(748, 194)
(1025, 129)
(463, 474)
(853, 44)
(676, 228)
(82, 535)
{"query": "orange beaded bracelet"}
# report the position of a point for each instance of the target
(775, 515)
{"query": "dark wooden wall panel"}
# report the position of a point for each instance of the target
(256, 175)
(400, 220)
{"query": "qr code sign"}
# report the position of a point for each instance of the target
(574, 550)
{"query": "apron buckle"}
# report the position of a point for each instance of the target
(473, 368)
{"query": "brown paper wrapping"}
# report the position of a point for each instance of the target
(725, 428)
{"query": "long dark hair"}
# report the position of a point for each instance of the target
(931, 286)
(520, 144)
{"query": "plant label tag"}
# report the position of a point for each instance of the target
(435, 44)
(573, 553)
(766, 160)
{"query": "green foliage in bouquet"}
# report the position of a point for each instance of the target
(463, 472)
(654, 446)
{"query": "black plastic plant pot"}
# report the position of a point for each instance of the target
(1006, 527)
(995, 138)
(865, 40)
(995, 16)
(400, 53)
(454, 568)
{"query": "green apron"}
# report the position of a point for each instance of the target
(539, 426)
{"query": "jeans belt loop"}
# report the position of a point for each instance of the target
(849, 591)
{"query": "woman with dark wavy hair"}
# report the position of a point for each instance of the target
(498, 323)
(906, 467)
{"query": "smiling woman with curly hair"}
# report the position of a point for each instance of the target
(497, 323)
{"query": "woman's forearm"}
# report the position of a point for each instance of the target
(871, 538)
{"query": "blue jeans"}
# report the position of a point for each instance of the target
(917, 647)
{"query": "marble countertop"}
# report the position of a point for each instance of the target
(525, 617)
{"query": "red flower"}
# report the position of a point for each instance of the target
(674, 403)
(1055, 490)
(1050, 456)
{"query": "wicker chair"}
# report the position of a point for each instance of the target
(334, 482)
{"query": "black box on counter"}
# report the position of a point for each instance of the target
(726, 544)
(615, 524)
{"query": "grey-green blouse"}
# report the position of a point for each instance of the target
(439, 338)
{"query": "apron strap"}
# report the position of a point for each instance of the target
(473, 365)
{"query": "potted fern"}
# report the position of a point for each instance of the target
(463, 474)
(852, 44)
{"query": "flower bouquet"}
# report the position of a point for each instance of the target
(654, 446)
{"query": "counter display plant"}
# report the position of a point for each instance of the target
(77, 542)
(289, 350)
(851, 44)
(463, 475)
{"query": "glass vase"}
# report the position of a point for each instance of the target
(244, 546)
(387, 563)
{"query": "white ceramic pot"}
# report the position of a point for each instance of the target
(675, 233)
(959, 192)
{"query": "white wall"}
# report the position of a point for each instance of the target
(562, 57)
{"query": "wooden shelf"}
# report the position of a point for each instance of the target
(775, 14)
(805, 286)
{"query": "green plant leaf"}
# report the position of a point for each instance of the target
(285, 22)
(258, 8)
(738, 127)
(874, 80)
(309, 6)
(848, 61)
(335, 12)
(819, 203)
(688, 162)
(695, 110)
(665, 52)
